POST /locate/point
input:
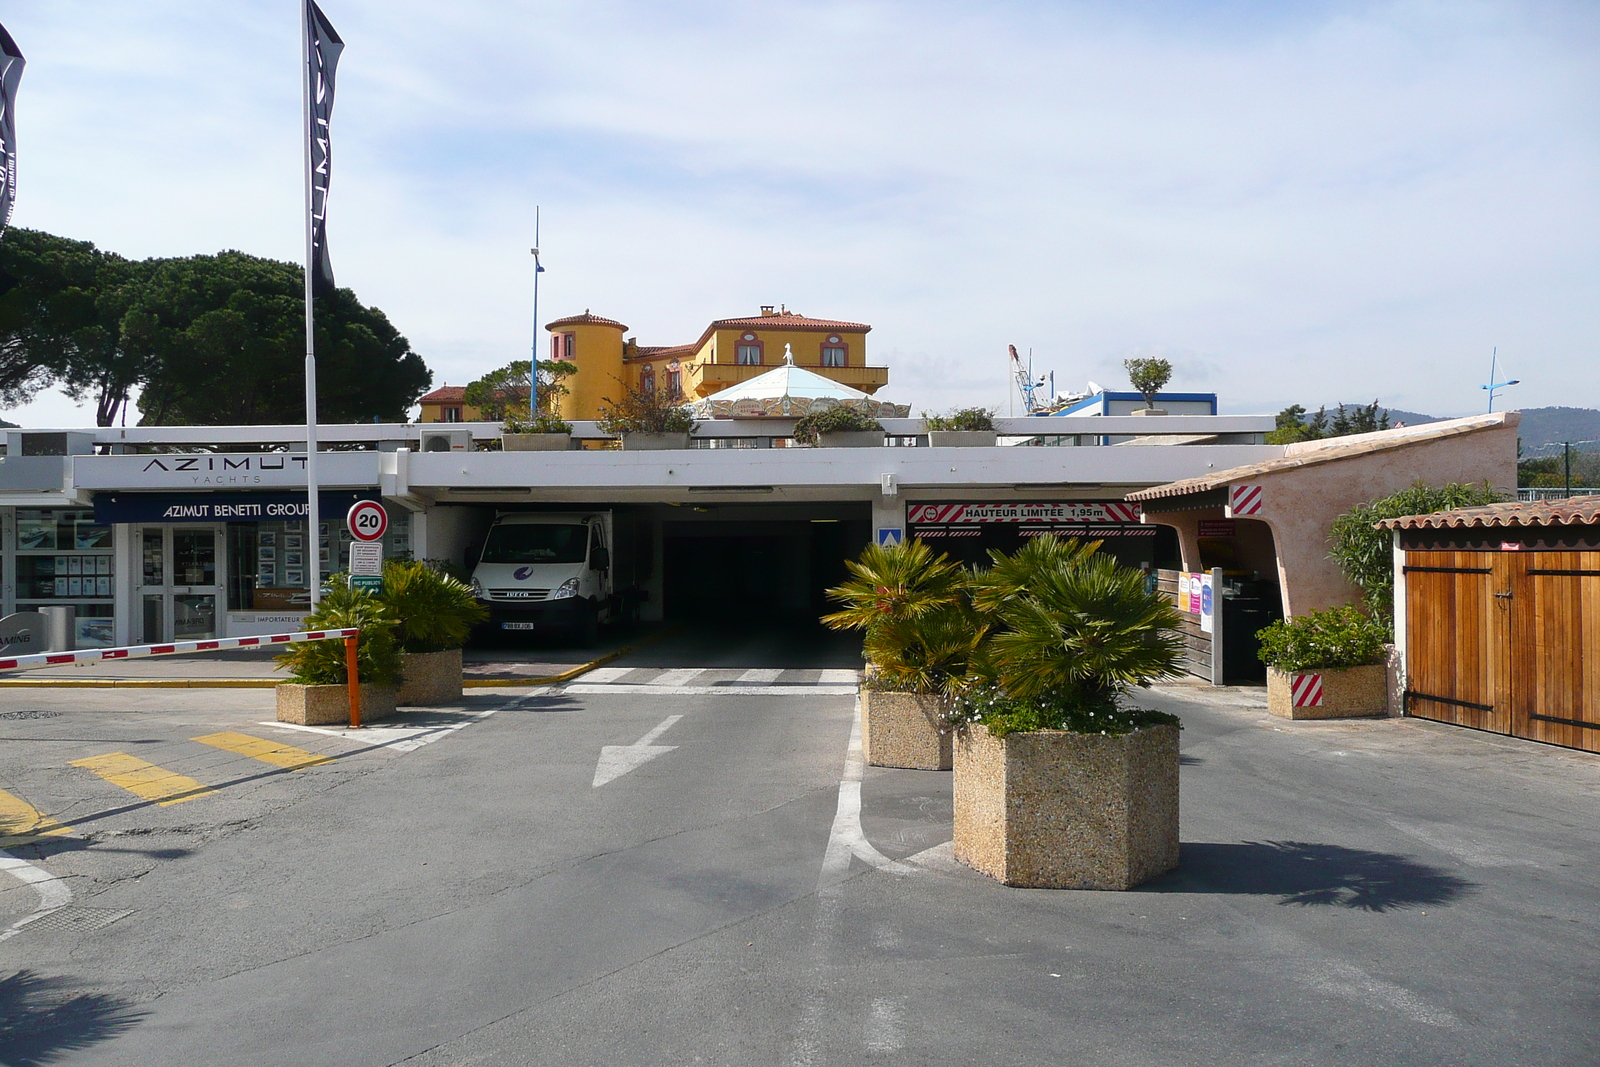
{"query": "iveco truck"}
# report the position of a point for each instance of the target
(554, 572)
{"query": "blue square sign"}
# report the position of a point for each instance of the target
(890, 535)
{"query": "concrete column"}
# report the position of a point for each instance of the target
(125, 564)
(888, 513)
(419, 535)
(1398, 682)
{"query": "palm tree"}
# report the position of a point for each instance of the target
(895, 582)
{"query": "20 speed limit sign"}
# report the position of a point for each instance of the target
(367, 520)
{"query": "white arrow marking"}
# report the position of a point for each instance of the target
(617, 760)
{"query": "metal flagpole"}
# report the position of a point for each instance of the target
(313, 540)
(538, 269)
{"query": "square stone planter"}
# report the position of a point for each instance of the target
(902, 730)
(1345, 692)
(962, 438)
(429, 677)
(653, 442)
(535, 442)
(851, 439)
(329, 705)
(1056, 810)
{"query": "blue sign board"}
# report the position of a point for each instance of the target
(890, 535)
(287, 506)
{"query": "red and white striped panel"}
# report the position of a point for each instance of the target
(1244, 499)
(941, 514)
(101, 655)
(1118, 511)
(1306, 691)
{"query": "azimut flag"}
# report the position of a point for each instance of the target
(11, 64)
(323, 46)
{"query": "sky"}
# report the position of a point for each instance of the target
(1311, 202)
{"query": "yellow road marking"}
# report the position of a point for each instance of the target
(21, 822)
(272, 752)
(144, 779)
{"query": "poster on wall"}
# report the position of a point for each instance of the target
(1208, 605)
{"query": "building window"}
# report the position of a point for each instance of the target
(833, 355)
(647, 380)
(452, 414)
(674, 383)
(563, 346)
(748, 352)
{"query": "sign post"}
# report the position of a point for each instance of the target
(368, 522)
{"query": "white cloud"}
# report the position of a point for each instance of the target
(1293, 202)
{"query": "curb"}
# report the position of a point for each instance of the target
(269, 683)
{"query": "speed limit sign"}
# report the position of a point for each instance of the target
(367, 520)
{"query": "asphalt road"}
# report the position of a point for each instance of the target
(462, 892)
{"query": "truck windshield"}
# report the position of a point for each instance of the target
(535, 543)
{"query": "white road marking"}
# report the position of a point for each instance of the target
(675, 677)
(885, 1030)
(407, 738)
(716, 690)
(759, 676)
(53, 892)
(837, 677)
(617, 760)
(606, 674)
(846, 839)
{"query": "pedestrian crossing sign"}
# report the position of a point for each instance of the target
(890, 535)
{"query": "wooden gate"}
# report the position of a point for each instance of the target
(1507, 642)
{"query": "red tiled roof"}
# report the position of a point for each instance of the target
(586, 319)
(651, 353)
(1578, 511)
(446, 394)
(788, 320)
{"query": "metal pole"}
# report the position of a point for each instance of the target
(353, 680)
(1566, 449)
(313, 512)
(533, 383)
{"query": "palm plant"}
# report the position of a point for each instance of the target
(930, 653)
(341, 607)
(895, 582)
(433, 611)
(1010, 577)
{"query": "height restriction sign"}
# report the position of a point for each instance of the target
(367, 520)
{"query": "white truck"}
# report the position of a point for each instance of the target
(554, 571)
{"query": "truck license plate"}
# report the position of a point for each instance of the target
(517, 625)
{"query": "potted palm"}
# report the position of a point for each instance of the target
(647, 420)
(921, 633)
(966, 428)
(1059, 781)
(318, 690)
(434, 615)
(839, 427)
(1326, 665)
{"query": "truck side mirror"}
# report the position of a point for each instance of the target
(600, 559)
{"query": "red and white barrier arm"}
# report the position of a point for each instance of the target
(101, 655)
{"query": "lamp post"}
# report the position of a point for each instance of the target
(533, 369)
(1493, 385)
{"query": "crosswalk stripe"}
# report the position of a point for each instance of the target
(286, 756)
(760, 675)
(21, 822)
(680, 676)
(837, 677)
(142, 779)
(606, 674)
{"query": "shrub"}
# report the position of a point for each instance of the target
(1149, 376)
(433, 612)
(1338, 637)
(1366, 554)
(541, 423)
(377, 652)
(963, 419)
(645, 411)
(931, 653)
(835, 420)
(1004, 714)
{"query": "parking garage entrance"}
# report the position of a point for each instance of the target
(966, 532)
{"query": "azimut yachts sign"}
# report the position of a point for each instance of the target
(222, 470)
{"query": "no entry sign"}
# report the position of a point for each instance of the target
(367, 520)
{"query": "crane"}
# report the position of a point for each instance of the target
(1027, 385)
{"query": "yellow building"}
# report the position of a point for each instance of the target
(730, 351)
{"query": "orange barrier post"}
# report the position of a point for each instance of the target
(354, 681)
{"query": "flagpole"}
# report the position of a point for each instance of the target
(313, 511)
(533, 370)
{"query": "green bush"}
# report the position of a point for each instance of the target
(377, 652)
(1002, 714)
(963, 419)
(1338, 637)
(541, 423)
(1366, 554)
(433, 612)
(835, 420)
(645, 411)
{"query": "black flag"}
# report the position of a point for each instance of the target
(11, 64)
(323, 46)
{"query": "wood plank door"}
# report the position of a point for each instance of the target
(1556, 657)
(1458, 638)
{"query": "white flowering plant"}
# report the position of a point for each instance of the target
(1004, 714)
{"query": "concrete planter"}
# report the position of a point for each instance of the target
(851, 439)
(1148, 411)
(535, 442)
(429, 677)
(1056, 810)
(902, 730)
(1346, 692)
(329, 705)
(962, 438)
(653, 442)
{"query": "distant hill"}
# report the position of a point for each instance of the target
(1540, 427)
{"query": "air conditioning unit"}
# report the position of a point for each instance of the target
(445, 441)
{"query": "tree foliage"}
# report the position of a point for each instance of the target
(1149, 376)
(645, 411)
(208, 339)
(1294, 425)
(1365, 554)
(503, 395)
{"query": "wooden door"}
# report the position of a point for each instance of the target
(1555, 684)
(1458, 638)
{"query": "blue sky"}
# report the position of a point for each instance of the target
(1293, 202)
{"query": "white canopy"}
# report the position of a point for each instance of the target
(788, 391)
